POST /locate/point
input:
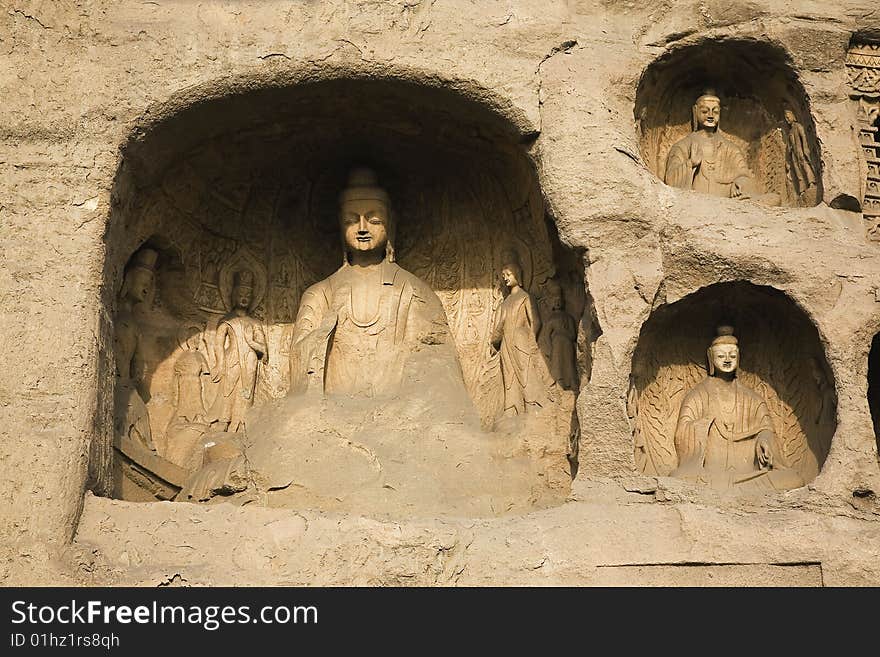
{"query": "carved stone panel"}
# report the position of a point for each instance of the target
(863, 69)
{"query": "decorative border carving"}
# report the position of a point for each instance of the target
(863, 70)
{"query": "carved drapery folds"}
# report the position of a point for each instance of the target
(760, 143)
(863, 69)
(780, 359)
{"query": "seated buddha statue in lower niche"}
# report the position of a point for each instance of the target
(724, 437)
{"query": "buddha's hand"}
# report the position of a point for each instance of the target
(740, 188)
(763, 453)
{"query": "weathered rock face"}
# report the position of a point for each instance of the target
(123, 124)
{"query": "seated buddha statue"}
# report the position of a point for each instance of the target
(378, 419)
(356, 330)
(707, 161)
(724, 436)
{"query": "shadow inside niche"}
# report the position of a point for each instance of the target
(874, 386)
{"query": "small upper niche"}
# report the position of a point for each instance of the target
(770, 152)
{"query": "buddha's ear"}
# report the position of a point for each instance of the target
(709, 359)
(391, 232)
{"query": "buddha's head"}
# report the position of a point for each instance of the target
(707, 112)
(365, 216)
(139, 274)
(553, 294)
(511, 270)
(243, 289)
(790, 118)
(723, 353)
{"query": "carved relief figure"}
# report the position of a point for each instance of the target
(558, 337)
(724, 436)
(188, 421)
(527, 381)
(798, 162)
(706, 161)
(240, 345)
(356, 329)
(131, 418)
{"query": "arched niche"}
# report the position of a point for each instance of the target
(874, 386)
(756, 83)
(781, 359)
(252, 179)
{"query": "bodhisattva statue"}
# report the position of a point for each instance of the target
(724, 437)
(188, 422)
(132, 420)
(558, 335)
(355, 330)
(706, 161)
(798, 163)
(239, 345)
(527, 381)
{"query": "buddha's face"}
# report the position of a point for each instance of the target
(242, 296)
(789, 117)
(137, 284)
(364, 224)
(725, 358)
(708, 112)
(509, 276)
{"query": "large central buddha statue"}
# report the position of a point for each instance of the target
(356, 330)
(378, 418)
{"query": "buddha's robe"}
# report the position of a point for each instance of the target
(711, 165)
(357, 330)
(716, 439)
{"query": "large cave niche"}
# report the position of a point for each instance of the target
(251, 179)
(874, 386)
(756, 83)
(781, 358)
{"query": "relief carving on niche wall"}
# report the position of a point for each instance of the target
(250, 329)
(764, 149)
(863, 69)
(755, 411)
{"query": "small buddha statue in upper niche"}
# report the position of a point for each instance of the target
(240, 347)
(527, 381)
(707, 161)
(799, 155)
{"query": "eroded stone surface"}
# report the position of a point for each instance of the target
(564, 78)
